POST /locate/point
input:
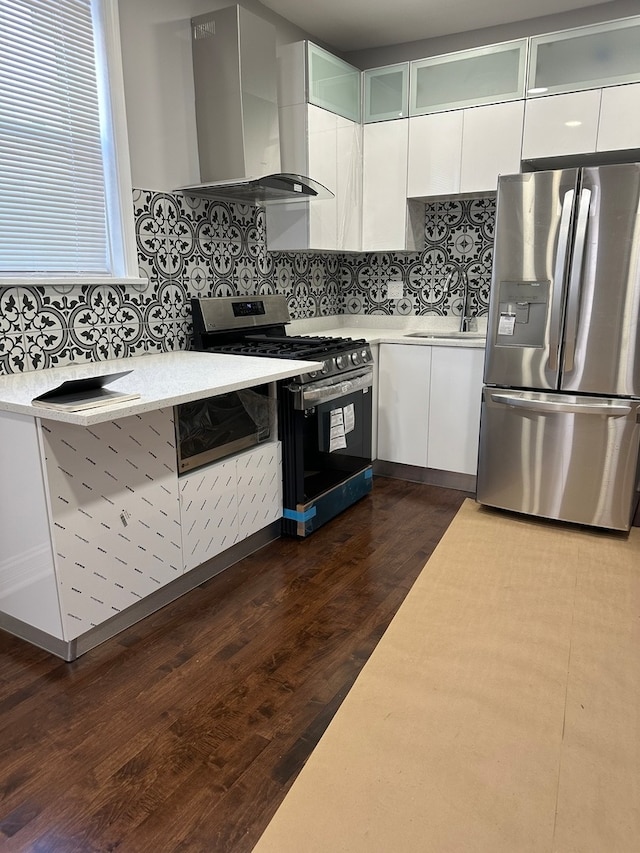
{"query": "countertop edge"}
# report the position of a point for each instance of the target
(161, 382)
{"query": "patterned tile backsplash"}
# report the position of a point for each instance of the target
(191, 247)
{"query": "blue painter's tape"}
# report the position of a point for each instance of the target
(292, 515)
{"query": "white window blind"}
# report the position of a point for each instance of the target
(53, 210)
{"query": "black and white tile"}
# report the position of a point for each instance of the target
(191, 247)
(458, 234)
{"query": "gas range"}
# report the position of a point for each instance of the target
(256, 326)
(338, 355)
(324, 415)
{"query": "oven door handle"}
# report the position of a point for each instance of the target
(308, 396)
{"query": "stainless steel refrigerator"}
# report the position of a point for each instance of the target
(560, 429)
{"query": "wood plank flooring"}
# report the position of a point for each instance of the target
(185, 732)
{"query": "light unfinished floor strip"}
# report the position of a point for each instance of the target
(500, 710)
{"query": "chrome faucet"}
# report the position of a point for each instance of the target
(467, 322)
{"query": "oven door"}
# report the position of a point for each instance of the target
(326, 448)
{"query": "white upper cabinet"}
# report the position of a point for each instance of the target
(390, 222)
(484, 75)
(585, 58)
(619, 124)
(561, 124)
(318, 141)
(386, 92)
(491, 145)
(435, 154)
(332, 83)
(327, 147)
(464, 151)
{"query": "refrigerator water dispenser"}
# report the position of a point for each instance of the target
(522, 314)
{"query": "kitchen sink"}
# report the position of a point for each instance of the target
(447, 336)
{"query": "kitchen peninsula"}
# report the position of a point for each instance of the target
(97, 528)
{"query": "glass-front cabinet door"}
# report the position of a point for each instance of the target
(332, 83)
(485, 75)
(585, 58)
(386, 92)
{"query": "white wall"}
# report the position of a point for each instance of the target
(158, 80)
(374, 57)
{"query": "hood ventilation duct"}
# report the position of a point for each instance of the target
(236, 96)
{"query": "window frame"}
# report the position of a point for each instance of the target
(120, 224)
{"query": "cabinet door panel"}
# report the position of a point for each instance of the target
(259, 488)
(323, 147)
(561, 124)
(435, 150)
(454, 409)
(28, 589)
(349, 185)
(384, 191)
(491, 144)
(619, 125)
(113, 490)
(403, 403)
(209, 512)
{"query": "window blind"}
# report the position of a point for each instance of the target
(53, 218)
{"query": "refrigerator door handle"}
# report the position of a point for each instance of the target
(615, 410)
(575, 278)
(558, 278)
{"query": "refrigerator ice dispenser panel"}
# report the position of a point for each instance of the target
(522, 314)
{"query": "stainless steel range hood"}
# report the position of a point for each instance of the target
(236, 97)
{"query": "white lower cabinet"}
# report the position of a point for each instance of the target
(114, 510)
(226, 502)
(375, 355)
(454, 408)
(429, 406)
(209, 512)
(404, 377)
(94, 519)
(259, 474)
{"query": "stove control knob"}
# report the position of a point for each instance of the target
(325, 367)
(355, 357)
(341, 362)
(364, 355)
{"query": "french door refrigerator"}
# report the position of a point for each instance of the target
(560, 429)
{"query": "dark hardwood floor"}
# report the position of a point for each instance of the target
(185, 732)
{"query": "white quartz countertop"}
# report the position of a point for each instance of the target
(380, 336)
(163, 379)
(377, 329)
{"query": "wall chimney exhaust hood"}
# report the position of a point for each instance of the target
(236, 96)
